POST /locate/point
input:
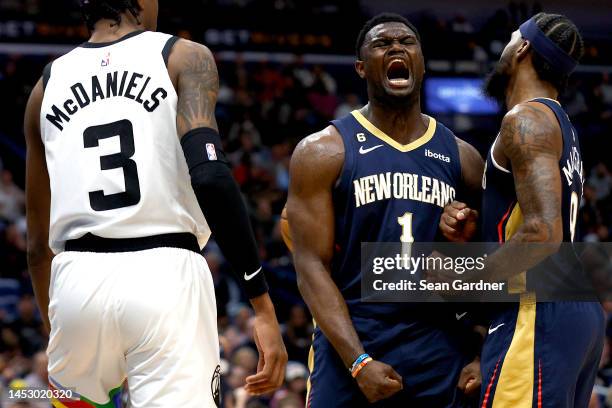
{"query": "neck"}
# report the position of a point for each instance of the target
(108, 30)
(404, 123)
(526, 85)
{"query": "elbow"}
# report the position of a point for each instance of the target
(547, 233)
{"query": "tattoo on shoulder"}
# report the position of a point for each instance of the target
(198, 86)
(526, 135)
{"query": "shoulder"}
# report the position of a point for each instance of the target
(467, 150)
(529, 118)
(325, 144)
(530, 124)
(320, 152)
(188, 47)
(190, 57)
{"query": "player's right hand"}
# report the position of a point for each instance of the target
(458, 223)
(378, 381)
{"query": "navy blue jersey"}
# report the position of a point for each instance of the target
(388, 192)
(501, 213)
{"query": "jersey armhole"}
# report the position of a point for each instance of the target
(46, 75)
(168, 48)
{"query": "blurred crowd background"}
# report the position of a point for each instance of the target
(284, 74)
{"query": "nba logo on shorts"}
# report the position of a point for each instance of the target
(210, 150)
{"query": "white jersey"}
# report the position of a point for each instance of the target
(108, 123)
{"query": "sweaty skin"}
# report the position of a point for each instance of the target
(315, 167)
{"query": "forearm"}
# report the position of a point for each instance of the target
(39, 267)
(526, 249)
(220, 200)
(329, 309)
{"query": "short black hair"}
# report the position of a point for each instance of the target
(563, 32)
(380, 19)
(96, 10)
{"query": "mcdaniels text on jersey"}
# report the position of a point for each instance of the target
(124, 84)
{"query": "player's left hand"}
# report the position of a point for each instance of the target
(470, 378)
(272, 353)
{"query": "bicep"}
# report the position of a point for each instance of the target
(197, 86)
(538, 189)
(531, 145)
(310, 209)
(311, 220)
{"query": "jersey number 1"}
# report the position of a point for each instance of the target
(91, 137)
(405, 221)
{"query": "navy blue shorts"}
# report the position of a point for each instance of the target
(542, 354)
(429, 359)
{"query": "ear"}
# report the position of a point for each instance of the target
(360, 68)
(523, 50)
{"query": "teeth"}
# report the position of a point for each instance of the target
(399, 82)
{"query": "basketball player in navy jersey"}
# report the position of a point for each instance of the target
(125, 180)
(536, 354)
(397, 354)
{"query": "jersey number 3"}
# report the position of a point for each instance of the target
(92, 135)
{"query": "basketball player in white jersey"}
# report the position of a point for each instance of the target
(125, 174)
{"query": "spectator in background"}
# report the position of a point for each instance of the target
(351, 102)
(38, 378)
(12, 198)
(601, 181)
(297, 334)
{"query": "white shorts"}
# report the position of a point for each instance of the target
(148, 316)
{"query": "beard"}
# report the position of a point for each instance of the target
(496, 83)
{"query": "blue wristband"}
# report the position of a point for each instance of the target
(358, 361)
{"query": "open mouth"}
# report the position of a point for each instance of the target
(398, 73)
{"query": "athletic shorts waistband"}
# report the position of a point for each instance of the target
(93, 243)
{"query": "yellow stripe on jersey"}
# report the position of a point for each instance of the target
(516, 380)
(517, 283)
(311, 362)
(285, 231)
(431, 129)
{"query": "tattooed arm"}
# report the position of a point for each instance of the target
(530, 144)
(193, 72)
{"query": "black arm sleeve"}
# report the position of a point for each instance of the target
(220, 200)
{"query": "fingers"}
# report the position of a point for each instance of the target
(391, 373)
(472, 386)
(450, 233)
(458, 205)
(463, 381)
(268, 378)
(472, 215)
